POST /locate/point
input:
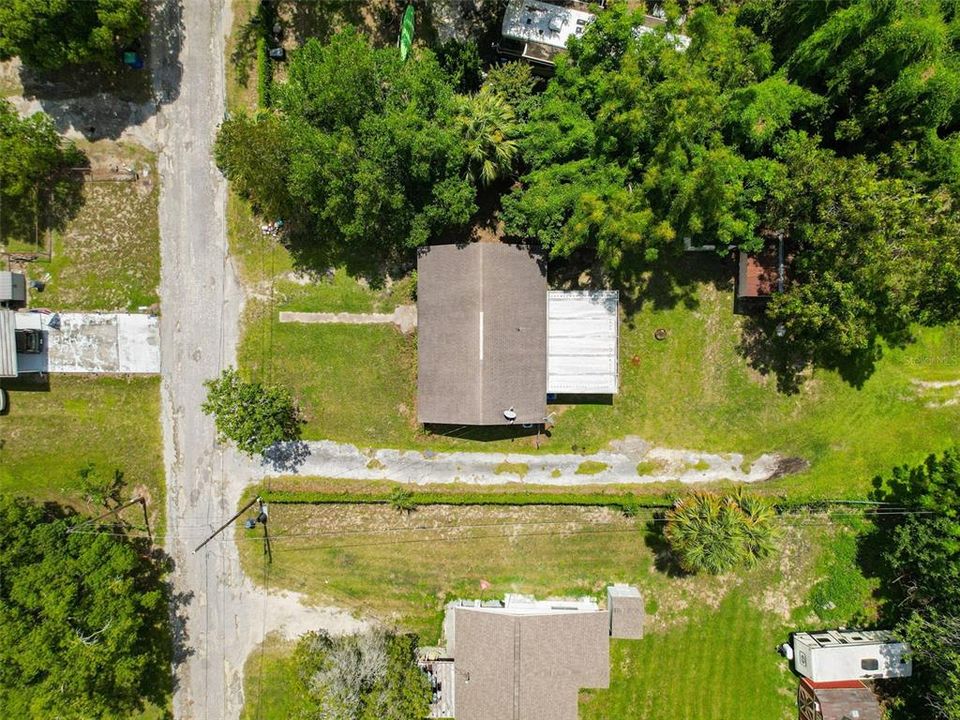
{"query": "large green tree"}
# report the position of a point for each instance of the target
(871, 255)
(84, 618)
(49, 34)
(890, 69)
(32, 160)
(921, 566)
(371, 675)
(647, 145)
(252, 415)
(365, 149)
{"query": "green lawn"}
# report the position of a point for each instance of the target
(111, 422)
(270, 689)
(708, 652)
(693, 390)
(719, 665)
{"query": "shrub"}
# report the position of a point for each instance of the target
(402, 499)
(713, 533)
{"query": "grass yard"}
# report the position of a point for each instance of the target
(693, 390)
(708, 652)
(110, 422)
(719, 665)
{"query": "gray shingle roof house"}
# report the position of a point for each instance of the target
(482, 334)
(493, 341)
(522, 658)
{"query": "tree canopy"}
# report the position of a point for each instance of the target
(32, 158)
(371, 675)
(84, 618)
(368, 146)
(834, 126)
(921, 561)
(252, 415)
(49, 34)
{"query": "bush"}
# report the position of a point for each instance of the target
(373, 674)
(712, 533)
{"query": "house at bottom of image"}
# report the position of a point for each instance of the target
(527, 659)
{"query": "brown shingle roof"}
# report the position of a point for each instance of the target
(528, 667)
(482, 334)
(759, 273)
(838, 701)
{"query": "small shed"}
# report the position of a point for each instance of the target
(844, 700)
(8, 343)
(625, 605)
(13, 290)
(839, 655)
(761, 274)
(582, 342)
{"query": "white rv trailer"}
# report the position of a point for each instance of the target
(837, 655)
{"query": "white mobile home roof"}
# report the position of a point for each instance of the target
(832, 655)
(8, 344)
(582, 339)
(534, 21)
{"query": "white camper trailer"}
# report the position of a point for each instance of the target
(838, 655)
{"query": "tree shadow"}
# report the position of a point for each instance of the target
(286, 457)
(102, 102)
(664, 559)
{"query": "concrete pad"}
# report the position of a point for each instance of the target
(111, 343)
(138, 340)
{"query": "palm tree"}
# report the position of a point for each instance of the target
(712, 533)
(488, 127)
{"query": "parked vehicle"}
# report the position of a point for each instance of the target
(29, 341)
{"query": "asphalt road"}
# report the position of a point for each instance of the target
(219, 615)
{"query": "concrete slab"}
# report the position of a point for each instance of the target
(139, 343)
(110, 343)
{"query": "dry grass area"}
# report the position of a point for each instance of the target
(108, 256)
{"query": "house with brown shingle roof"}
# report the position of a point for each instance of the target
(527, 659)
(493, 342)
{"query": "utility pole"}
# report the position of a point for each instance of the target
(227, 523)
(115, 510)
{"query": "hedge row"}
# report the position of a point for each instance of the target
(617, 500)
(614, 500)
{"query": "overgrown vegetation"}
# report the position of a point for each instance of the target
(921, 569)
(365, 676)
(49, 35)
(637, 147)
(84, 616)
(35, 188)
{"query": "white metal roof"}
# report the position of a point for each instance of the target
(582, 341)
(8, 343)
(535, 21)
